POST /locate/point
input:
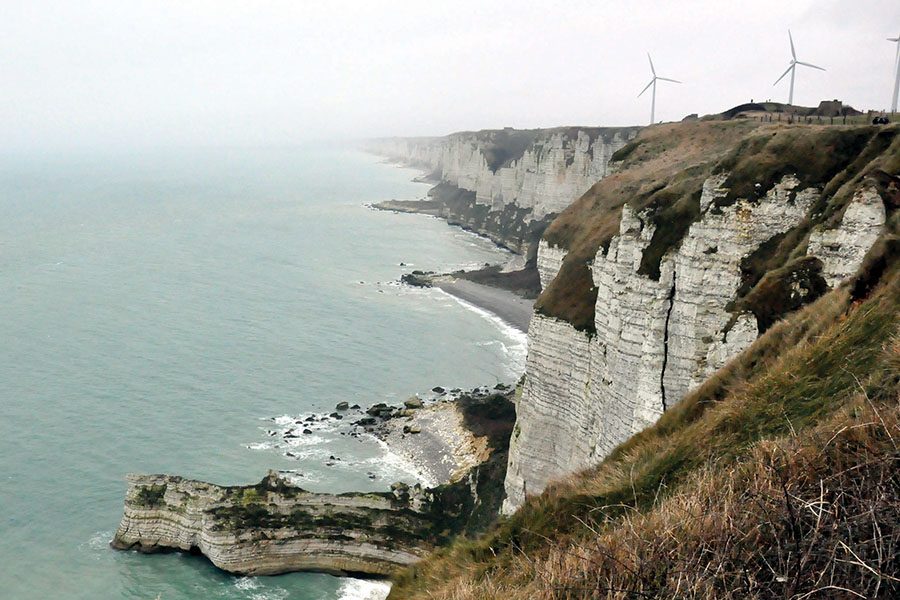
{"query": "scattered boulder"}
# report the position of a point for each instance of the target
(438, 390)
(307, 431)
(413, 402)
(342, 406)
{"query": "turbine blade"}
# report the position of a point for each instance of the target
(652, 70)
(667, 79)
(783, 74)
(896, 39)
(652, 81)
(793, 52)
(809, 65)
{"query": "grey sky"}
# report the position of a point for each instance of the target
(272, 72)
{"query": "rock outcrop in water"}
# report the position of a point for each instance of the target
(273, 527)
(507, 184)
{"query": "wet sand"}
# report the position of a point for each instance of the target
(510, 307)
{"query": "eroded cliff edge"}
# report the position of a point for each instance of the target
(506, 184)
(276, 527)
(706, 234)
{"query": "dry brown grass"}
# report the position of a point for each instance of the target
(813, 515)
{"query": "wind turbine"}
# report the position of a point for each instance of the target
(792, 69)
(896, 40)
(653, 83)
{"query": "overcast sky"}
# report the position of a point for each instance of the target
(171, 72)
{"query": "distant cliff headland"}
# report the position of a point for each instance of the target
(506, 184)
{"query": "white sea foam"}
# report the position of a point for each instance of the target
(98, 543)
(363, 589)
(246, 583)
(395, 463)
(261, 446)
(255, 591)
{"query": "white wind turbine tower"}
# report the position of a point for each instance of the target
(896, 40)
(793, 68)
(653, 83)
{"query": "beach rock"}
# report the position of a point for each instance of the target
(438, 389)
(356, 407)
(342, 406)
(307, 431)
(413, 402)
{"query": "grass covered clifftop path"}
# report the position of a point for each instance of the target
(777, 478)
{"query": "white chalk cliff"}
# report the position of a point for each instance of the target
(544, 170)
(656, 340)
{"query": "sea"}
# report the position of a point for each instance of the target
(169, 310)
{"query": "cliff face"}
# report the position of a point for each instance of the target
(505, 184)
(689, 280)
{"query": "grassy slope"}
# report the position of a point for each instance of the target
(663, 171)
(777, 477)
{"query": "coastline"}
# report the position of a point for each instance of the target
(512, 308)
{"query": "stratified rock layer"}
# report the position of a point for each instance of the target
(273, 527)
(842, 249)
(549, 262)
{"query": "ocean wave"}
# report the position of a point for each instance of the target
(98, 543)
(363, 589)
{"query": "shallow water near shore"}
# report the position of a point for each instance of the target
(159, 310)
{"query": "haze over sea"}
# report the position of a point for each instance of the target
(158, 310)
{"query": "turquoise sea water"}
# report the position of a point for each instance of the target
(156, 309)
